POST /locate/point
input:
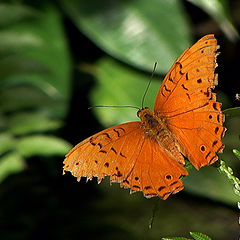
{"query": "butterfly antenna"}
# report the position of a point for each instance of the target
(149, 82)
(127, 106)
(113, 106)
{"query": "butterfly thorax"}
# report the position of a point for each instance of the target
(156, 127)
(153, 125)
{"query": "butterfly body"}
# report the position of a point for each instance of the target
(149, 155)
(156, 128)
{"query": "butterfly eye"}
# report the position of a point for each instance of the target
(138, 113)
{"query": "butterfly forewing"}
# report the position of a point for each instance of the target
(105, 153)
(192, 72)
(186, 100)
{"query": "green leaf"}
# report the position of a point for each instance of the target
(219, 10)
(228, 172)
(53, 51)
(11, 13)
(176, 238)
(15, 67)
(199, 236)
(119, 85)
(28, 122)
(237, 153)
(232, 112)
(42, 145)
(38, 48)
(19, 97)
(133, 31)
(9, 164)
(195, 235)
(210, 184)
(7, 142)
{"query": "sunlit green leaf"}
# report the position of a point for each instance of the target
(119, 85)
(28, 122)
(136, 32)
(12, 42)
(237, 153)
(195, 235)
(199, 236)
(9, 164)
(42, 145)
(7, 142)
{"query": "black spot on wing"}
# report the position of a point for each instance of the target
(122, 155)
(114, 150)
(184, 87)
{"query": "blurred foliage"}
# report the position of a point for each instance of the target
(220, 12)
(59, 57)
(228, 172)
(232, 112)
(127, 30)
(34, 83)
(195, 235)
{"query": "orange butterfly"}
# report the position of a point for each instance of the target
(148, 155)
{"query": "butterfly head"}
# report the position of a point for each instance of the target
(140, 111)
(154, 126)
(149, 119)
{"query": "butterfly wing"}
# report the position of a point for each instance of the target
(128, 156)
(186, 100)
(154, 173)
(105, 153)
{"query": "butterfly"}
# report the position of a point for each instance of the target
(149, 155)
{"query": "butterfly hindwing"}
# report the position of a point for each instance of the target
(155, 173)
(128, 156)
